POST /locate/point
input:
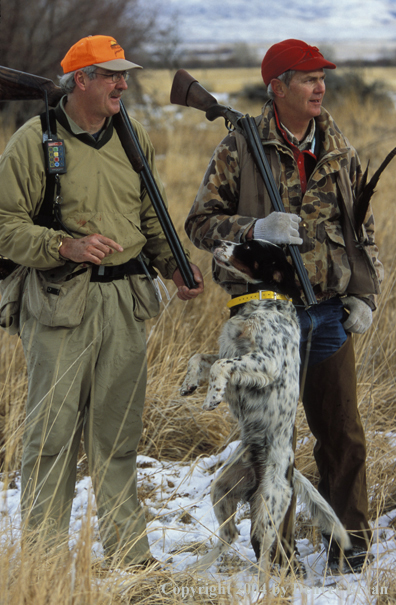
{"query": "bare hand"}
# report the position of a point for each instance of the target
(183, 292)
(89, 249)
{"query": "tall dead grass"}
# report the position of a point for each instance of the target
(176, 428)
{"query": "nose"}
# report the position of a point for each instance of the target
(320, 86)
(122, 84)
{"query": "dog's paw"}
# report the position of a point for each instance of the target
(211, 402)
(187, 389)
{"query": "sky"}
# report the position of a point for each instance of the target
(264, 21)
(180, 512)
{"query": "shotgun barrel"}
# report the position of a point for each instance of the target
(253, 138)
(187, 91)
(133, 150)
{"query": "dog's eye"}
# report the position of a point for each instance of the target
(246, 246)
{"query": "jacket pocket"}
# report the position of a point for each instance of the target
(145, 299)
(11, 290)
(357, 265)
(57, 303)
(338, 267)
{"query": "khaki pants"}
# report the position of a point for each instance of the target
(91, 378)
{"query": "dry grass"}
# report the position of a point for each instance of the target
(178, 430)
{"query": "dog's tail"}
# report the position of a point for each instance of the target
(320, 510)
(207, 560)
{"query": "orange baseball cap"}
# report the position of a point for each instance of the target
(102, 51)
(292, 54)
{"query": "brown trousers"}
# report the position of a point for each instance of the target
(330, 404)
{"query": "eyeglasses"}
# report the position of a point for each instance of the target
(115, 76)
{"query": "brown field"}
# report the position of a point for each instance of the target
(184, 141)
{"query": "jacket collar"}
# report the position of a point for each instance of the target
(76, 131)
(332, 139)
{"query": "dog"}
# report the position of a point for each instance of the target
(257, 374)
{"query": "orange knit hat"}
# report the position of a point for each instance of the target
(102, 51)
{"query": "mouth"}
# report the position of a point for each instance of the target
(229, 262)
(221, 262)
(222, 257)
(219, 255)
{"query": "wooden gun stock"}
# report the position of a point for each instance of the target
(187, 91)
(20, 86)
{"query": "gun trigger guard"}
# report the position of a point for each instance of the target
(229, 125)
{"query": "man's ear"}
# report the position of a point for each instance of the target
(80, 78)
(278, 87)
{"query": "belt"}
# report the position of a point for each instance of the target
(109, 273)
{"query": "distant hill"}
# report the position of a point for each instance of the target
(356, 28)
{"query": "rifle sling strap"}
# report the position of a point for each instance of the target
(45, 217)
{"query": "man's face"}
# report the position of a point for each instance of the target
(303, 97)
(103, 95)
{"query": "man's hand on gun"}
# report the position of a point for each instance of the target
(94, 248)
(278, 228)
(182, 291)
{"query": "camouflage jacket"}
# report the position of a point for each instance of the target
(232, 196)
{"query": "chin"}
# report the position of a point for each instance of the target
(114, 108)
(315, 109)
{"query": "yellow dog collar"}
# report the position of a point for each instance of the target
(260, 295)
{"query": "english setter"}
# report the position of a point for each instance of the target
(257, 374)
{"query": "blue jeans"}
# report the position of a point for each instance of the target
(328, 333)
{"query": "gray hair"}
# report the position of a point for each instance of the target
(68, 83)
(286, 77)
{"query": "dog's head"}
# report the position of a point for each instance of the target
(258, 262)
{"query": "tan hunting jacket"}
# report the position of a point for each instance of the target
(101, 193)
(232, 196)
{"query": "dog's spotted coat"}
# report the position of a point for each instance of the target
(257, 374)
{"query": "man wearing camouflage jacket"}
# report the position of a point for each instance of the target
(317, 173)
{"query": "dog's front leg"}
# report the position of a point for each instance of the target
(218, 378)
(197, 372)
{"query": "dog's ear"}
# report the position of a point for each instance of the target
(284, 274)
(278, 276)
(283, 270)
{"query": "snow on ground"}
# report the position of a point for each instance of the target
(180, 516)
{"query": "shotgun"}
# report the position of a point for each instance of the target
(20, 86)
(187, 91)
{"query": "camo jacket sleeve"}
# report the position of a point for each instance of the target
(214, 212)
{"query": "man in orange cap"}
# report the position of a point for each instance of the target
(318, 174)
(89, 288)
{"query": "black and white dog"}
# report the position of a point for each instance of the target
(257, 374)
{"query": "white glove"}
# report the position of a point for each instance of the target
(278, 228)
(360, 315)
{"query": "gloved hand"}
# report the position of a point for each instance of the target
(278, 228)
(360, 315)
